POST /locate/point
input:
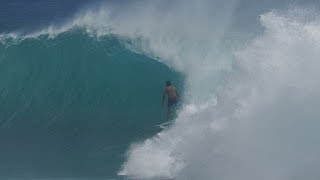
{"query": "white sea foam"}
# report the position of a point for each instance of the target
(265, 124)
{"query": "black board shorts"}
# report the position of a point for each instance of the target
(172, 101)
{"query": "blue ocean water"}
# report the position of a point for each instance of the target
(72, 105)
(18, 15)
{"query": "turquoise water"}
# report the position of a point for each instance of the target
(72, 105)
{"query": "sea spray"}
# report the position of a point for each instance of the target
(264, 124)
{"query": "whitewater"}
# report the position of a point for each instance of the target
(250, 100)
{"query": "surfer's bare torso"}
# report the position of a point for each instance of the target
(171, 92)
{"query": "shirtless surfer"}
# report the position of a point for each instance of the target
(173, 97)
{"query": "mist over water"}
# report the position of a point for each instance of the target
(250, 104)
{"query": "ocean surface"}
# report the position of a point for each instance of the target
(81, 85)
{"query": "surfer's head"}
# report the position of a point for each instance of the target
(168, 83)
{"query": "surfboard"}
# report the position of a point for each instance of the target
(164, 125)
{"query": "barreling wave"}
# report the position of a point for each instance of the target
(72, 104)
(250, 107)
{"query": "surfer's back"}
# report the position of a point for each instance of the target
(171, 91)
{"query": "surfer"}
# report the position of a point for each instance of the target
(173, 96)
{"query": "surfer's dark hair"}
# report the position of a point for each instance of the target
(168, 83)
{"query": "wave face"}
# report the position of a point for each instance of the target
(71, 105)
